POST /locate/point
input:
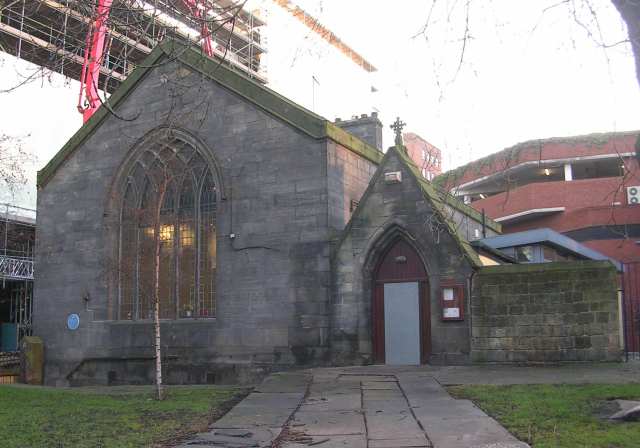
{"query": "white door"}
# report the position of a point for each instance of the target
(402, 323)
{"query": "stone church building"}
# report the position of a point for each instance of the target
(284, 240)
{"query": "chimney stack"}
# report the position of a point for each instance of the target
(366, 128)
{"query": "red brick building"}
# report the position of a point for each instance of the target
(426, 156)
(585, 187)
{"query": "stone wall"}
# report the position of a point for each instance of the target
(551, 312)
(387, 212)
(272, 278)
(348, 176)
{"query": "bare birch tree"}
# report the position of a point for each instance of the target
(13, 160)
(162, 190)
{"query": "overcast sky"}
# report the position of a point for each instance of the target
(525, 74)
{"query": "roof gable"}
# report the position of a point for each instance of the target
(266, 99)
(443, 198)
(431, 196)
(438, 204)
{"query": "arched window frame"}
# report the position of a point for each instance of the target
(190, 154)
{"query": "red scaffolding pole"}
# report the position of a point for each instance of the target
(89, 99)
(199, 10)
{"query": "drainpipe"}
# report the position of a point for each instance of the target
(484, 224)
(469, 314)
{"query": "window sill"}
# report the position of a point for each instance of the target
(175, 320)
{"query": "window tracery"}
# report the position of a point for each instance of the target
(174, 173)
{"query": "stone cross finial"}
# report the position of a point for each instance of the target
(397, 127)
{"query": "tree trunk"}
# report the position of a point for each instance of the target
(156, 290)
(630, 12)
(156, 322)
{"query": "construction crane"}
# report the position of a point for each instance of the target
(95, 47)
(89, 100)
(325, 33)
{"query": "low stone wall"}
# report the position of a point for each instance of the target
(550, 312)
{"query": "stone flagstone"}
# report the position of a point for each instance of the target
(368, 407)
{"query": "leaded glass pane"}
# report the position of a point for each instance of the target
(186, 234)
(208, 247)
(127, 268)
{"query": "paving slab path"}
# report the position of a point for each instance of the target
(259, 419)
(365, 407)
(389, 408)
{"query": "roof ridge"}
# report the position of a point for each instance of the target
(261, 96)
(437, 203)
(449, 199)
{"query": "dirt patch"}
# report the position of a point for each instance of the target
(219, 412)
(605, 409)
(202, 424)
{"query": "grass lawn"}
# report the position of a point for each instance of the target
(558, 415)
(106, 417)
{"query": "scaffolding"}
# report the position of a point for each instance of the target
(16, 275)
(53, 34)
(14, 268)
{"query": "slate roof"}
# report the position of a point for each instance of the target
(439, 200)
(266, 99)
(545, 236)
(443, 197)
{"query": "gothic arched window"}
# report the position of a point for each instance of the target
(169, 188)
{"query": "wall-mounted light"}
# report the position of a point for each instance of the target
(547, 172)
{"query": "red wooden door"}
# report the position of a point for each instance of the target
(400, 263)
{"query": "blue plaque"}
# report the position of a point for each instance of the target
(73, 321)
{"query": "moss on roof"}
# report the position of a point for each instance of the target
(433, 197)
(446, 198)
(439, 201)
(271, 102)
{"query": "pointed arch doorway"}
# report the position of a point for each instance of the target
(401, 314)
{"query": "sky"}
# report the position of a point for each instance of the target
(526, 73)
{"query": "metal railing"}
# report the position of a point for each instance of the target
(16, 268)
(16, 263)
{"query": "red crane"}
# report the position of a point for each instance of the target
(93, 55)
(199, 12)
(89, 100)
